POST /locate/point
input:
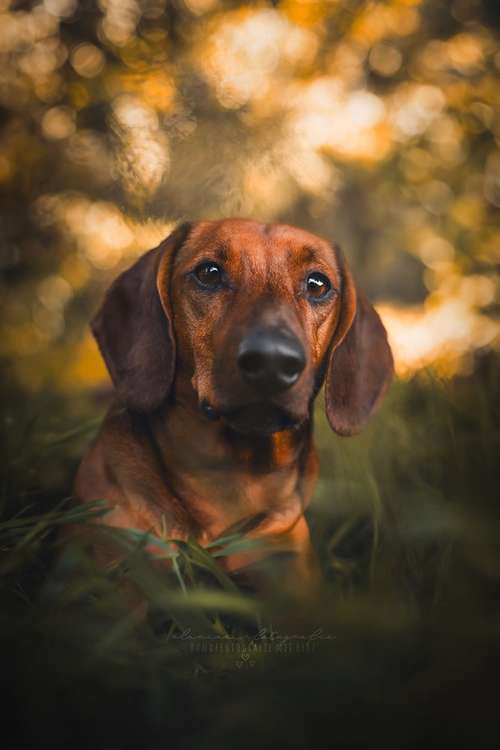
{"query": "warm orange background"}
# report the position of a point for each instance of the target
(376, 123)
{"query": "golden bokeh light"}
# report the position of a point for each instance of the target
(440, 337)
(87, 60)
(247, 49)
(385, 59)
(372, 123)
(58, 123)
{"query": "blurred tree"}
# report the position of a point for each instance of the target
(376, 123)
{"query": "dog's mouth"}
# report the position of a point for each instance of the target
(262, 418)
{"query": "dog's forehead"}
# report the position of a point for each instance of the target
(242, 242)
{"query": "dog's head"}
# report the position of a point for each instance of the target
(244, 322)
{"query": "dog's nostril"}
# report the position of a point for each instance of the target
(252, 363)
(291, 366)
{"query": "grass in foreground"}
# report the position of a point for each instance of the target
(401, 646)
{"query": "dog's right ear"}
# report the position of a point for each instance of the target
(134, 331)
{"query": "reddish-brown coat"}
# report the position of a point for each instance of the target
(162, 465)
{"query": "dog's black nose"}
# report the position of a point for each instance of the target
(271, 359)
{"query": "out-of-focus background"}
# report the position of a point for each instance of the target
(374, 123)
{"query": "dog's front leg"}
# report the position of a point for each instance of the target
(287, 564)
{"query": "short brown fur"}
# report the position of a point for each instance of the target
(171, 347)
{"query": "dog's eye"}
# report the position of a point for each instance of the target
(318, 285)
(209, 275)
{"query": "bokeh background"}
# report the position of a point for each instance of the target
(374, 123)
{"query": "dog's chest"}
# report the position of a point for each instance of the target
(217, 500)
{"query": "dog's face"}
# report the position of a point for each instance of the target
(244, 321)
(254, 311)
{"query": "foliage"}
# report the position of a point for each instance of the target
(402, 641)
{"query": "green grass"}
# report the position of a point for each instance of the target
(406, 628)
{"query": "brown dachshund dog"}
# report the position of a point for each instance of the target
(217, 342)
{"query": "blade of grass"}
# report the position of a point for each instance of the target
(205, 560)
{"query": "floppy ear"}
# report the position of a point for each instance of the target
(134, 328)
(360, 365)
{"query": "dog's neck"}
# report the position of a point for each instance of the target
(223, 476)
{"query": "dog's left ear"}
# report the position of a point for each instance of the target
(134, 328)
(360, 365)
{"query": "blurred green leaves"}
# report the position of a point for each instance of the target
(405, 521)
(371, 123)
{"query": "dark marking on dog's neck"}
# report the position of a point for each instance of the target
(265, 453)
(191, 436)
